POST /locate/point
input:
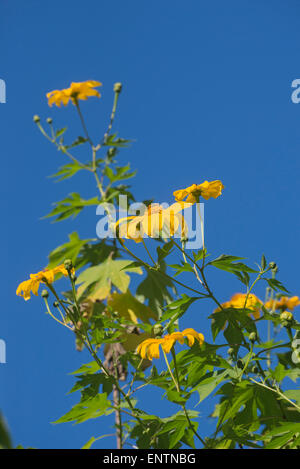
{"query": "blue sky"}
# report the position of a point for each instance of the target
(207, 95)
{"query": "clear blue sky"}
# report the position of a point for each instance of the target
(207, 95)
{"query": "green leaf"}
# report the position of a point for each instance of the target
(60, 132)
(164, 251)
(209, 383)
(71, 206)
(5, 440)
(154, 288)
(113, 141)
(121, 173)
(263, 262)
(88, 409)
(229, 264)
(92, 440)
(66, 171)
(69, 250)
(99, 279)
(79, 141)
(276, 285)
(177, 308)
(128, 307)
(184, 267)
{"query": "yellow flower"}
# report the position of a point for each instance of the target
(45, 276)
(205, 190)
(149, 348)
(155, 222)
(76, 91)
(238, 301)
(285, 302)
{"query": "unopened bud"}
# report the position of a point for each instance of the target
(240, 364)
(68, 264)
(254, 369)
(158, 330)
(273, 266)
(56, 304)
(230, 351)
(45, 294)
(117, 87)
(36, 119)
(49, 120)
(286, 316)
(253, 337)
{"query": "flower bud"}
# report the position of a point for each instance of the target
(36, 119)
(158, 330)
(117, 87)
(73, 277)
(230, 351)
(253, 337)
(240, 364)
(286, 316)
(49, 120)
(68, 264)
(56, 304)
(272, 265)
(45, 294)
(254, 369)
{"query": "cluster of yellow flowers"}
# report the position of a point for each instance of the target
(46, 276)
(156, 218)
(284, 303)
(149, 348)
(76, 91)
(241, 301)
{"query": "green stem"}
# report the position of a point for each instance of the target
(83, 122)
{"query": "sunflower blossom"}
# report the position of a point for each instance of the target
(284, 303)
(76, 91)
(205, 190)
(155, 222)
(149, 348)
(238, 301)
(45, 276)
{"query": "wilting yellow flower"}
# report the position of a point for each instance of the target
(238, 301)
(155, 222)
(285, 302)
(205, 190)
(149, 348)
(76, 91)
(45, 276)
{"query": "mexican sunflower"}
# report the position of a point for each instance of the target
(45, 276)
(76, 91)
(206, 190)
(238, 301)
(149, 348)
(284, 303)
(155, 222)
